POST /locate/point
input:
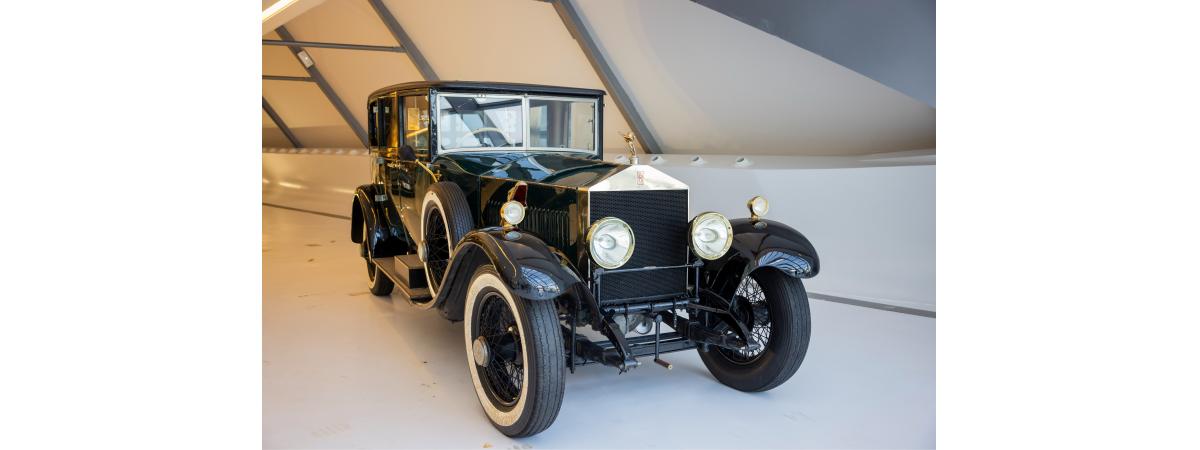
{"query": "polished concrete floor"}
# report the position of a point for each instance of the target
(345, 369)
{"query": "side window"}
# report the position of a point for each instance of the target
(372, 118)
(383, 124)
(416, 124)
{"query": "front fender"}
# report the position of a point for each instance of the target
(757, 244)
(531, 269)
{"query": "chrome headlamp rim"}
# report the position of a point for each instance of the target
(508, 205)
(766, 207)
(692, 235)
(592, 232)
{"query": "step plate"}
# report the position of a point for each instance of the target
(411, 271)
(416, 294)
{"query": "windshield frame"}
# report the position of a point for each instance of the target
(525, 123)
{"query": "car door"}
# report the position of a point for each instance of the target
(382, 129)
(412, 150)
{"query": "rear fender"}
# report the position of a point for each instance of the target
(370, 206)
(760, 244)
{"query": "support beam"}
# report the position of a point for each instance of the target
(569, 13)
(308, 64)
(287, 132)
(402, 38)
(282, 11)
(370, 48)
(287, 78)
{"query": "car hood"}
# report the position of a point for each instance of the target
(560, 169)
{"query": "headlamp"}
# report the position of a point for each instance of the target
(610, 241)
(711, 235)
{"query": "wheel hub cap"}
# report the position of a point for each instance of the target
(480, 351)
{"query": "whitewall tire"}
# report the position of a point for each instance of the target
(515, 355)
(445, 219)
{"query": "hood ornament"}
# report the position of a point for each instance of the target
(629, 138)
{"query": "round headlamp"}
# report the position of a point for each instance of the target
(711, 235)
(610, 241)
(758, 207)
(513, 212)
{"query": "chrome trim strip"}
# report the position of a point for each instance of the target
(639, 178)
(653, 179)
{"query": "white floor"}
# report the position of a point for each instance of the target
(345, 369)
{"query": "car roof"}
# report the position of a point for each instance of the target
(477, 86)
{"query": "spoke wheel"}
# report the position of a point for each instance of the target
(378, 283)
(502, 373)
(515, 355)
(437, 244)
(758, 318)
(365, 249)
(445, 220)
(774, 308)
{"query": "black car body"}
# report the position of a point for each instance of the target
(431, 221)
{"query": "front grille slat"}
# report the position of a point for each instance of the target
(659, 221)
(550, 225)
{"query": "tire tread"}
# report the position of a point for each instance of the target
(788, 301)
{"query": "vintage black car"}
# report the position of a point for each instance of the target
(492, 204)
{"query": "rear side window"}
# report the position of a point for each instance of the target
(385, 123)
(416, 124)
(372, 120)
(381, 122)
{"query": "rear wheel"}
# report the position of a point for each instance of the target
(515, 355)
(445, 219)
(776, 312)
(379, 283)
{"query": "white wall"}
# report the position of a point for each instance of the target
(873, 227)
(871, 220)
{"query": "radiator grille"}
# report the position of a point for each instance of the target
(550, 225)
(659, 221)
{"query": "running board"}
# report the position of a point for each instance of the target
(408, 273)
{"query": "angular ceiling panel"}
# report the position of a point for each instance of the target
(353, 74)
(278, 60)
(520, 41)
(890, 41)
(706, 83)
(308, 114)
(272, 135)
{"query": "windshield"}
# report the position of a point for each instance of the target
(486, 121)
(562, 123)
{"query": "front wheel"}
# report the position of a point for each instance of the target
(515, 355)
(776, 306)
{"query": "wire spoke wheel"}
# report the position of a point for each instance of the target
(773, 306)
(378, 283)
(503, 373)
(366, 253)
(515, 355)
(757, 318)
(437, 245)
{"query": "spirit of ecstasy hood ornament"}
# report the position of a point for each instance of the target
(629, 138)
